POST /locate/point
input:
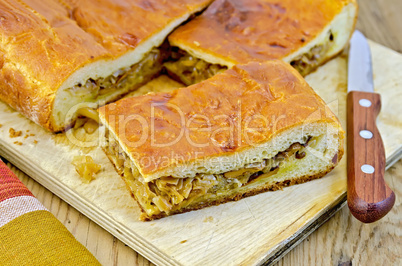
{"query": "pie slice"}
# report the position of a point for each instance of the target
(252, 128)
(301, 32)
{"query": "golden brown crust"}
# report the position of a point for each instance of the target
(245, 30)
(238, 196)
(272, 93)
(44, 42)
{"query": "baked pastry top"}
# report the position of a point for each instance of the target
(45, 43)
(237, 31)
(229, 113)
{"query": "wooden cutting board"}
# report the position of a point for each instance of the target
(254, 230)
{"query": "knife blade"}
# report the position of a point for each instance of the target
(369, 197)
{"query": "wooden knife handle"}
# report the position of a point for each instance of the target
(369, 197)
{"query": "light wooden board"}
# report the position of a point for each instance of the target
(250, 231)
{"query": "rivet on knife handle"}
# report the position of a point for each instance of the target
(369, 197)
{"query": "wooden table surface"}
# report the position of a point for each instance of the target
(341, 241)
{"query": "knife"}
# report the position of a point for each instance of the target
(369, 197)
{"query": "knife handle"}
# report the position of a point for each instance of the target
(369, 197)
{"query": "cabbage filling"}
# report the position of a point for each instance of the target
(191, 70)
(122, 79)
(167, 194)
(307, 62)
(188, 69)
(100, 91)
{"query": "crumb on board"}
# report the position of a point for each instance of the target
(35, 141)
(1, 125)
(14, 133)
(18, 143)
(86, 167)
(29, 135)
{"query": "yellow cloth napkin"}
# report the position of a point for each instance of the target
(29, 233)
